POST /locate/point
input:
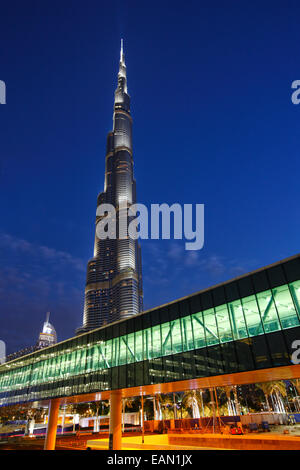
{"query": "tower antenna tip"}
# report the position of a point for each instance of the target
(122, 52)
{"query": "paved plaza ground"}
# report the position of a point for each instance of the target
(184, 440)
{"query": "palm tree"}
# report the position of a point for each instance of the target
(167, 405)
(95, 406)
(159, 404)
(157, 409)
(296, 384)
(274, 391)
(148, 408)
(227, 392)
(236, 400)
(279, 389)
(176, 396)
(192, 399)
(201, 402)
(265, 388)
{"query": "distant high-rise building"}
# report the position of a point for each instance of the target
(46, 338)
(114, 277)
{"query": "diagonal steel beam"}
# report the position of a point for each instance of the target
(103, 357)
(266, 313)
(206, 328)
(295, 299)
(128, 347)
(235, 330)
(168, 335)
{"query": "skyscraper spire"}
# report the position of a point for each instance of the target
(122, 58)
(122, 80)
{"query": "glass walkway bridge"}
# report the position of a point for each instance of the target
(240, 331)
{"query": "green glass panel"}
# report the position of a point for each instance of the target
(139, 350)
(108, 352)
(15, 378)
(83, 360)
(20, 379)
(252, 316)
(77, 362)
(130, 348)
(156, 342)
(72, 366)
(268, 311)
(89, 359)
(41, 365)
(147, 342)
(123, 351)
(51, 370)
(176, 336)
(295, 293)
(223, 322)
(58, 371)
(47, 373)
(95, 358)
(68, 364)
(33, 375)
(285, 307)
(210, 325)
(166, 331)
(46, 370)
(51, 367)
(57, 360)
(115, 352)
(55, 369)
(198, 330)
(62, 365)
(189, 333)
(239, 328)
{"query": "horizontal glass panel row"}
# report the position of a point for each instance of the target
(266, 312)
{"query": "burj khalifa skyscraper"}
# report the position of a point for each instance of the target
(114, 277)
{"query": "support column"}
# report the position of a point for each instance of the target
(115, 421)
(143, 431)
(52, 424)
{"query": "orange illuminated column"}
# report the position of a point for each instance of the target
(115, 421)
(52, 424)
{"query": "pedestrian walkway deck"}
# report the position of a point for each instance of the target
(237, 442)
(156, 442)
(186, 441)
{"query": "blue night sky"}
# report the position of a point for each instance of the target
(210, 85)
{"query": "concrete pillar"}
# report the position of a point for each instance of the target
(52, 424)
(115, 421)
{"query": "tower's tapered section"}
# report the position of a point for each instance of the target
(114, 278)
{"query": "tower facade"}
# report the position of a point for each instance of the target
(48, 336)
(114, 277)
